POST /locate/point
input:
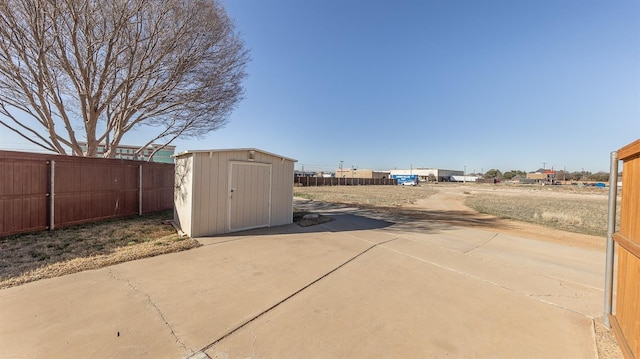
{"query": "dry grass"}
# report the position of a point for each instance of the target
(580, 214)
(371, 196)
(29, 257)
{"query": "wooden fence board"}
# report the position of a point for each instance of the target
(158, 186)
(85, 190)
(22, 198)
(627, 312)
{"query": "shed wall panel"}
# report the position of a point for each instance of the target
(199, 195)
(282, 193)
(206, 195)
(183, 194)
(220, 205)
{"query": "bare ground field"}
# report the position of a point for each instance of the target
(568, 214)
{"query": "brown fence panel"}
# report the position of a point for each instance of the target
(305, 181)
(157, 186)
(94, 190)
(84, 190)
(626, 321)
(23, 194)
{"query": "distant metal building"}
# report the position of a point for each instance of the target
(429, 174)
(464, 178)
(221, 191)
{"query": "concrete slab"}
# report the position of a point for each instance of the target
(206, 292)
(578, 297)
(386, 305)
(83, 315)
(552, 259)
(354, 287)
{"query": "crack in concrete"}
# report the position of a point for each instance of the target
(155, 306)
(490, 282)
(248, 321)
(481, 244)
(575, 296)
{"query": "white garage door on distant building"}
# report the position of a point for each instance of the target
(221, 191)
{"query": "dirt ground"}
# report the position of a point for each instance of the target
(449, 199)
(452, 197)
(446, 202)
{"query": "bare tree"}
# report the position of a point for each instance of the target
(104, 68)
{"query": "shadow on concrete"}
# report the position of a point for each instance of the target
(342, 222)
(352, 218)
(409, 219)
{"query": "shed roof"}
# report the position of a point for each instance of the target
(232, 150)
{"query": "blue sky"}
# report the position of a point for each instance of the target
(507, 84)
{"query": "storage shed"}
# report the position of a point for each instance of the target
(221, 191)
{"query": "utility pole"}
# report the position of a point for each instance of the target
(544, 164)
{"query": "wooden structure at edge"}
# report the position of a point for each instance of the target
(626, 320)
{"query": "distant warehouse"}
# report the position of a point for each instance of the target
(429, 174)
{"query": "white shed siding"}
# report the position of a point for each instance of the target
(282, 193)
(209, 189)
(183, 196)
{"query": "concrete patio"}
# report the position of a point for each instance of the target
(360, 286)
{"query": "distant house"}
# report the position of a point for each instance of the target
(430, 174)
(517, 179)
(541, 177)
(358, 173)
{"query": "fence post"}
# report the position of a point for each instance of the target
(52, 196)
(140, 190)
(611, 228)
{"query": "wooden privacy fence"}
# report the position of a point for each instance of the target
(304, 181)
(41, 191)
(626, 319)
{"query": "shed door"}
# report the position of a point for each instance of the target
(249, 195)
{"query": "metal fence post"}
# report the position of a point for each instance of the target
(52, 196)
(611, 228)
(140, 190)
